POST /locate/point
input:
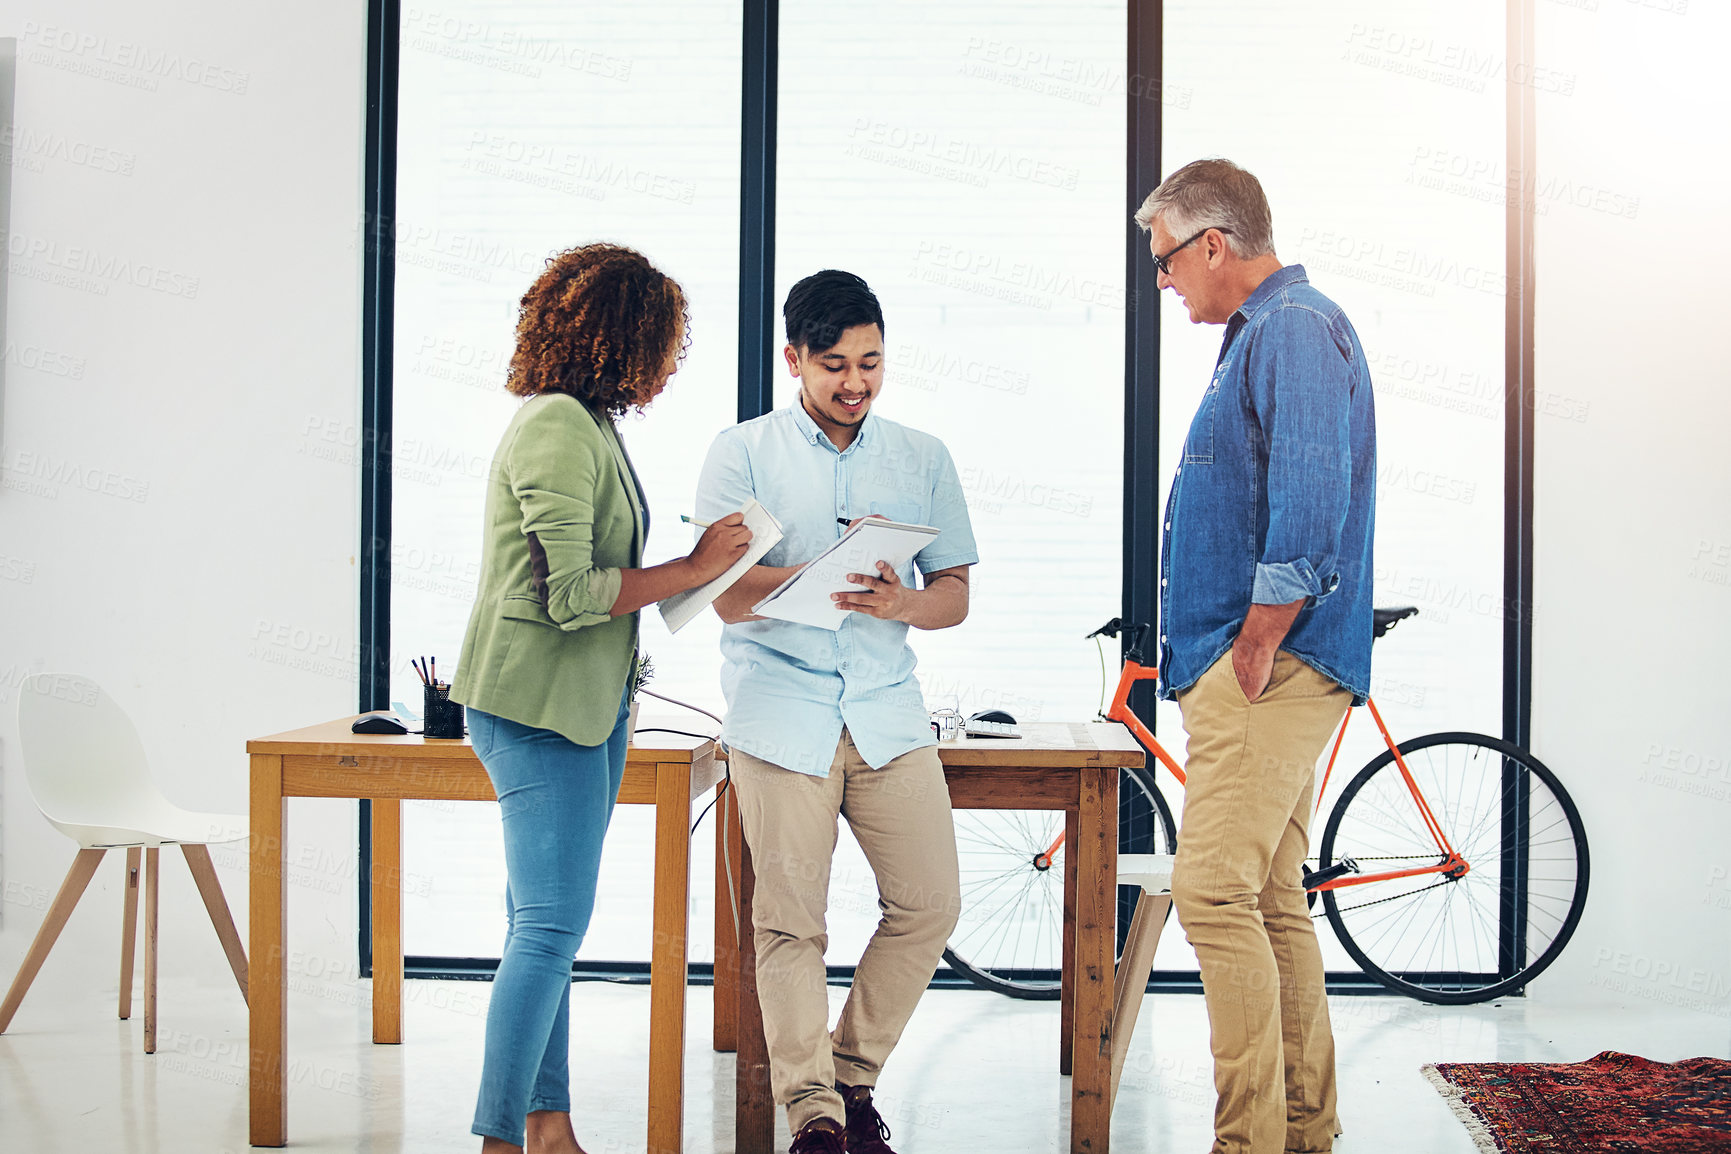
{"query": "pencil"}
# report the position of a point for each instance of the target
(695, 521)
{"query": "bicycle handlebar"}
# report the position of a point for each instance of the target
(1133, 635)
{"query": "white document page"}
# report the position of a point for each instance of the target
(804, 598)
(680, 608)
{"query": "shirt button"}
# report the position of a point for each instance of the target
(1163, 582)
(1168, 526)
(1162, 639)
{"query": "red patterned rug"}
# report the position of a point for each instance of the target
(1613, 1102)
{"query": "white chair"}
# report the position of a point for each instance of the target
(1153, 872)
(88, 774)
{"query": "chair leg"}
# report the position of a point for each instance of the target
(77, 878)
(152, 870)
(1134, 967)
(128, 932)
(204, 876)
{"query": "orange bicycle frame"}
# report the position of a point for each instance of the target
(1451, 861)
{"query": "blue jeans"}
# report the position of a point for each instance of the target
(555, 799)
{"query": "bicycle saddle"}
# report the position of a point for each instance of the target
(1382, 620)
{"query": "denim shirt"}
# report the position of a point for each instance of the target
(1275, 498)
(790, 688)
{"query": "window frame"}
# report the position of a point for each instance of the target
(1141, 467)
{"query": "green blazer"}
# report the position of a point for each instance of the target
(563, 516)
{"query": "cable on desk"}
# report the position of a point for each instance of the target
(680, 732)
(719, 791)
(682, 705)
(726, 854)
(1101, 646)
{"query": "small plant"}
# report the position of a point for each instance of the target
(642, 675)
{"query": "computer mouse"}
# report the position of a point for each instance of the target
(997, 715)
(380, 721)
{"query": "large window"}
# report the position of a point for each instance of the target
(526, 129)
(1377, 130)
(968, 160)
(930, 150)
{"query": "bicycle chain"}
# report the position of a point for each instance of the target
(1395, 898)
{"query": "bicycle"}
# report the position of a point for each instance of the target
(1468, 899)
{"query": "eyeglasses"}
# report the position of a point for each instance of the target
(1160, 259)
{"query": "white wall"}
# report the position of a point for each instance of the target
(1632, 691)
(183, 337)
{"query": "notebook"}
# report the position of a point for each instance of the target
(680, 608)
(804, 598)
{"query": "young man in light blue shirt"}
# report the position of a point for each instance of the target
(823, 723)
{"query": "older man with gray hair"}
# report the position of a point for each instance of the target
(1265, 629)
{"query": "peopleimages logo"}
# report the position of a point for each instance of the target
(954, 156)
(75, 261)
(42, 473)
(29, 148)
(109, 59)
(40, 359)
(503, 48)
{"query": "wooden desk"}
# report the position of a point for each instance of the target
(329, 761)
(1069, 767)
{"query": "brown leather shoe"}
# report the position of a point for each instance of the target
(866, 1128)
(819, 1136)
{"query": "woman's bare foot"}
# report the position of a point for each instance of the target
(549, 1132)
(499, 1146)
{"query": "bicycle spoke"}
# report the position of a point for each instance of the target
(1011, 932)
(1448, 946)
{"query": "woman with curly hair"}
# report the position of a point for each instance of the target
(551, 647)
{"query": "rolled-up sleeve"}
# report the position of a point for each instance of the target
(954, 544)
(554, 475)
(1300, 380)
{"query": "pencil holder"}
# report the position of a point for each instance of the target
(442, 716)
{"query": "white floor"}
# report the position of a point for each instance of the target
(975, 1072)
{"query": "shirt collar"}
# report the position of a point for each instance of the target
(1276, 281)
(809, 430)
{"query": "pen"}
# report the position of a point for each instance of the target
(695, 521)
(843, 521)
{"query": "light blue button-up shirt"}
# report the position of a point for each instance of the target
(791, 688)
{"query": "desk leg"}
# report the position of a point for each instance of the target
(267, 1019)
(1096, 914)
(667, 962)
(1067, 967)
(728, 848)
(754, 1103)
(385, 877)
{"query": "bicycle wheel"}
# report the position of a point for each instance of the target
(1010, 937)
(1495, 926)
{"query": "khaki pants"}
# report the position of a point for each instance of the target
(1237, 888)
(900, 815)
